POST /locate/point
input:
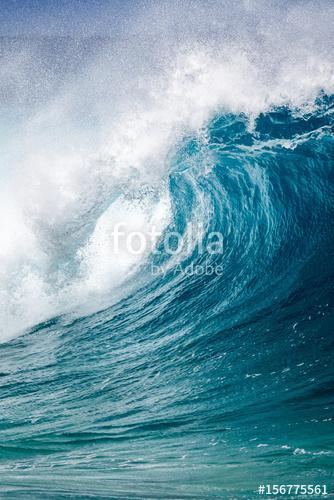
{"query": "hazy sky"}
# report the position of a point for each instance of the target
(64, 17)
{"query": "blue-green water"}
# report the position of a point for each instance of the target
(120, 382)
(193, 386)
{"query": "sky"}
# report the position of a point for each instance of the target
(63, 17)
(109, 17)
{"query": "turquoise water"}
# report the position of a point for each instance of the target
(117, 381)
(194, 386)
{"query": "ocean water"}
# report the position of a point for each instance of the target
(129, 375)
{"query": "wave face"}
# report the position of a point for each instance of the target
(131, 375)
